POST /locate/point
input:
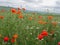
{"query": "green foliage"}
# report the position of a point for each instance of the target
(27, 30)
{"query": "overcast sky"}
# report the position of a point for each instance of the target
(37, 5)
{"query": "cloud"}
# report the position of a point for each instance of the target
(33, 1)
(58, 3)
(35, 5)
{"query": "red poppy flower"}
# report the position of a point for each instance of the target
(13, 10)
(50, 17)
(44, 33)
(2, 10)
(15, 36)
(40, 37)
(12, 40)
(39, 16)
(1, 17)
(19, 9)
(6, 39)
(41, 22)
(58, 43)
(30, 18)
(54, 23)
(21, 16)
(18, 12)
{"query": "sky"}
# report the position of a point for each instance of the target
(33, 5)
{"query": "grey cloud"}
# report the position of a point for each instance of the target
(57, 6)
(33, 1)
(29, 6)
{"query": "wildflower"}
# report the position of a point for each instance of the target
(6, 39)
(44, 33)
(54, 23)
(1, 17)
(31, 33)
(50, 17)
(18, 12)
(58, 43)
(2, 10)
(12, 40)
(32, 27)
(40, 37)
(40, 17)
(19, 9)
(30, 18)
(27, 27)
(40, 22)
(37, 27)
(15, 36)
(21, 16)
(13, 10)
(44, 22)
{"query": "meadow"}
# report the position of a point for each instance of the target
(18, 27)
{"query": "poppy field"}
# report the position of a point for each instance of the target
(18, 27)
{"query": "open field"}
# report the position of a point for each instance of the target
(24, 28)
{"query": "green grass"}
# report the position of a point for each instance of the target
(27, 30)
